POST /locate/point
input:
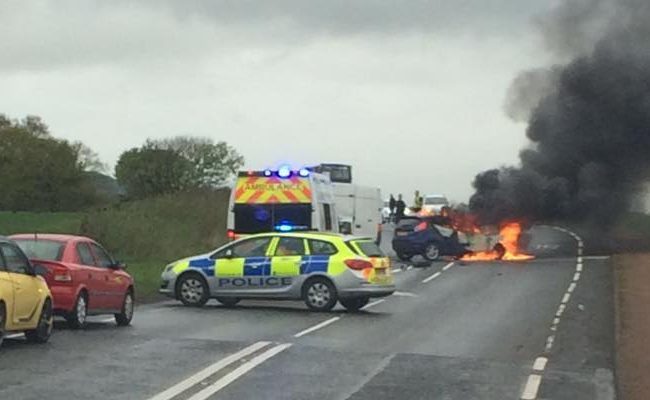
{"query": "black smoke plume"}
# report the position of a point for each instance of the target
(588, 120)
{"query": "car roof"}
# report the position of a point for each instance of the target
(49, 236)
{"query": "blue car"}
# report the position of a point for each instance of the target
(426, 236)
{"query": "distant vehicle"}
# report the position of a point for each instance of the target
(422, 236)
(319, 268)
(283, 200)
(433, 204)
(25, 300)
(83, 277)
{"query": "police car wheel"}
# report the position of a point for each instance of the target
(192, 290)
(354, 304)
(431, 252)
(319, 294)
(228, 301)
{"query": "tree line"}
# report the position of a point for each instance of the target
(39, 172)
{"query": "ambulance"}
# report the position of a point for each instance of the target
(282, 200)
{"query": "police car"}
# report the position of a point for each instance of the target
(319, 268)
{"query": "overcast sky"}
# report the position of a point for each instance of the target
(410, 93)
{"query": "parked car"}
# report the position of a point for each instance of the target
(422, 236)
(25, 300)
(83, 277)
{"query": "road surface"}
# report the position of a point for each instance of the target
(541, 329)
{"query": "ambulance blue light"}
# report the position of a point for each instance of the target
(267, 172)
(284, 172)
(304, 172)
(284, 228)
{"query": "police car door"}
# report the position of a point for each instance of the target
(287, 257)
(243, 266)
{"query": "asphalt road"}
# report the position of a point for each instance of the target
(541, 329)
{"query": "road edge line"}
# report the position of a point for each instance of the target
(317, 327)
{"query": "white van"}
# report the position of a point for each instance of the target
(359, 209)
(284, 200)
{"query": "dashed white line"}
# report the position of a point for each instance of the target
(396, 270)
(549, 343)
(540, 363)
(374, 303)
(576, 277)
(238, 372)
(404, 294)
(579, 267)
(560, 310)
(207, 372)
(531, 388)
(446, 267)
(318, 326)
(430, 278)
(566, 298)
(572, 287)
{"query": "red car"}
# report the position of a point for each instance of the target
(83, 277)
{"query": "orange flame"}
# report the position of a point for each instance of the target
(509, 240)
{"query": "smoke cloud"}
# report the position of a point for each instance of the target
(588, 119)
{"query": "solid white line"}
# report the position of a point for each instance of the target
(432, 277)
(572, 287)
(238, 372)
(207, 372)
(374, 303)
(596, 258)
(540, 363)
(318, 326)
(531, 388)
(566, 298)
(576, 276)
(446, 267)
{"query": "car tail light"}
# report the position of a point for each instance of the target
(357, 264)
(231, 234)
(420, 227)
(62, 275)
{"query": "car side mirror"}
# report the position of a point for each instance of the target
(39, 270)
(228, 254)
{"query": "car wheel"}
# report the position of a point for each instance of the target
(192, 290)
(124, 318)
(431, 252)
(355, 304)
(404, 257)
(228, 301)
(3, 316)
(76, 318)
(319, 294)
(43, 330)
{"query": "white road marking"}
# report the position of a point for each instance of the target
(410, 267)
(207, 372)
(446, 267)
(572, 287)
(540, 363)
(396, 270)
(566, 298)
(404, 294)
(432, 277)
(576, 277)
(595, 258)
(579, 267)
(14, 336)
(560, 310)
(531, 388)
(580, 253)
(579, 260)
(549, 343)
(318, 326)
(238, 372)
(374, 303)
(556, 321)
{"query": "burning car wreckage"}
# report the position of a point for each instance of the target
(466, 241)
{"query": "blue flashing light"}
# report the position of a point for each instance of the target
(284, 228)
(284, 171)
(267, 172)
(304, 172)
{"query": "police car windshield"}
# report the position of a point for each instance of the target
(255, 218)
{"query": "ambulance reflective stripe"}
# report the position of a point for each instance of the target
(264, 190)
(257, 266)
(310, 264)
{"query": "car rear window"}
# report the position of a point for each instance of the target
(41, 249)
(408, 223)
(369, 248)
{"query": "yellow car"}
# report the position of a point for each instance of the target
(25, 300)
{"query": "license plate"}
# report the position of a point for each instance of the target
(399, 233)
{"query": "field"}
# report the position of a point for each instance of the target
(146, 234)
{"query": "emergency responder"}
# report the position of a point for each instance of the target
(391, 207)
(400, 206)
(418, 201)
